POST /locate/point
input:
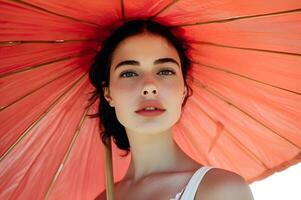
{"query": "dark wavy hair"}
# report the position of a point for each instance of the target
(99, 75)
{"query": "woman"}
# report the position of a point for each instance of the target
(140, 76)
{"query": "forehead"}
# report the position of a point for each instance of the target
(144, 47)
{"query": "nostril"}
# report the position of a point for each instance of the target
(154, 92)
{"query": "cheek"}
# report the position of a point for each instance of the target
(176, 88)
(123, 93)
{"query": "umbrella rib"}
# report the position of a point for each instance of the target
(36, 89)
(196, 147)
(163, 9)
(219, 96)
(42, 116)
(56, 14)
(278, 168)
(245, 48)
(122, 11)
(245, 149)
(61, 166)
(33, 67)
(14, 43)
(237, 18)
(234, 139)
(246, 77)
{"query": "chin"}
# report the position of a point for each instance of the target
(149, 125)
(153, 127)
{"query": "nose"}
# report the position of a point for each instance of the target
(149, 90)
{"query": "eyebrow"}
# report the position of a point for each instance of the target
(136, 63)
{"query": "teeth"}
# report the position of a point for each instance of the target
(150, 108)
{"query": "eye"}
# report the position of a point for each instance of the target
(167, 72)
(127, 74)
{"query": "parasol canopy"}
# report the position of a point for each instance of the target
(244, 115)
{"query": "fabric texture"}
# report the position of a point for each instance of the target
(192, 185)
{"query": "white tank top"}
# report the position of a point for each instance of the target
(192, 186)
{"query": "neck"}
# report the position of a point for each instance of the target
(153, 153)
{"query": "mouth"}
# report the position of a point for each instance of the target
(150, 108)
(150, 112)
(150, 105)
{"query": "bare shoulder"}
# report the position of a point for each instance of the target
(220, 184)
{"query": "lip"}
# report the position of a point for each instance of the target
(150, 103)
(150, 113)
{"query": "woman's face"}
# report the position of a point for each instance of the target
(146, 67)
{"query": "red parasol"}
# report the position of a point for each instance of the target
(244, 115)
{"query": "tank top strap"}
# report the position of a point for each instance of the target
(194, 182)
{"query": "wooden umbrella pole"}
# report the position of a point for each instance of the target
(109, 171)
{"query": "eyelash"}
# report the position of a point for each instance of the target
(128, 72)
